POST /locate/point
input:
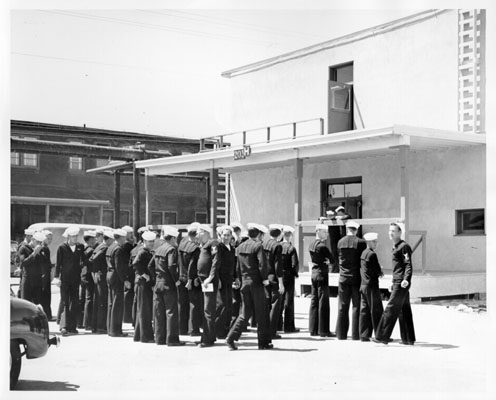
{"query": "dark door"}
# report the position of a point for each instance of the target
(340, 107)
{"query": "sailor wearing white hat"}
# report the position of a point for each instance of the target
(143, 330)
(117, 278)
(87, 288)
(321, 258)
(31, 289)
(127, 248)
(69, 258)
(164, 269)
(350, 248)
(290, 267)
(28, 236)
(46, 276)
(371, 304)
(99, 274)
(99, 235)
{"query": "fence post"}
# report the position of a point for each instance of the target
(294, 130)
(268, 134)
(321, 126)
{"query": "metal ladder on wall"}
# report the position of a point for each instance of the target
(222, 198)
(471, 70)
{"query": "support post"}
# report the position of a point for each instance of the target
(294, 130)
(214, 179)
(404, 154)
(268, 134)
(117, 199)
(136, 199)
(244, 138)
(47, 213)
(101, 215)
(148, 199)
(298, 208)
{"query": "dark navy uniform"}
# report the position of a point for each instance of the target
(100, 299)
(128, 293)
(208, 265)
(164, 271)
(319, 305)
(195, 294)
(86, 291)
(143, 330)
(46, 283)
(227, 267)
(350, 248)
(68, 268)
(371, 304)
(183, 258)
(23, 251)
(237, 291)
(252, 270)
(117, 273)
(399, 301)
(273, 250)
(133, 254)
(32, 270)
(290, 268)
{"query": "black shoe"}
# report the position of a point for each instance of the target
(330, 334)
(202, 345)
(375, 340)
(175, 344)
(100, 331)
(268, 346)
(119, 335)
(195, 334)
(407, 343)
(148, 341)
(314, 334)
(295, 330)
(276, 337)
(231, 345)
(364, 340)
(221, 337)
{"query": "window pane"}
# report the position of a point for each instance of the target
(341, 99)
(170, 218)
(30, 160)
(335, 190)
(125, 217)
(156, 218)
(14, 159)
(344, 74)
(201, 218)
(473, 220)
(353, 189)
(76, 163)
(66, 214)
(108, 218)
(92, 215)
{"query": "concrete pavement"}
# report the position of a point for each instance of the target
(450, 356)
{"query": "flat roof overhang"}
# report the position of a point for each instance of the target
(343, 145)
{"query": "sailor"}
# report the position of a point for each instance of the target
(129, 293)
(321, 258)
(46, 276)
(252, 270)
(290, 268)
(350, 248)
(371, 304)
(164, 271)
(117, 281)
(398, 305)
(275, 290)
(24, 249)
(87, 289)
(143, 330)
(32, 270)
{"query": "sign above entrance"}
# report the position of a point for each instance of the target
(241, 154)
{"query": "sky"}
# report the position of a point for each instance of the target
(155, 71)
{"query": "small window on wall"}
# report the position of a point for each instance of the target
(156, 218)
(108, 218)
(75, 163)
(170, 217)
(201, 217)
(470, 222)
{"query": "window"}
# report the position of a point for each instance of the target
(170, 217)
(346, 192)
(470, 222)
(125, 217)
(340, 105)
(108, 218)
(24, 159)
(15, 159)
(156, 218)
(76, 163)
(201, 217)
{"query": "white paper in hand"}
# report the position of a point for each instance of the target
(209, 288)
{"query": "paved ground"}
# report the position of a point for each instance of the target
(450, 356)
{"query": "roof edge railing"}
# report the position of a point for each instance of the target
(221, 143)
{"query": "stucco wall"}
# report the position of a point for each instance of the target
(440, 183)
(407, 76)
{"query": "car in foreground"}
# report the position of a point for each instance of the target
(29, 334)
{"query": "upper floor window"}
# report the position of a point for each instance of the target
(30, 160)
(75, 163)
(470, 222)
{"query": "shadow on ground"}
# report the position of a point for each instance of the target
(43, 385)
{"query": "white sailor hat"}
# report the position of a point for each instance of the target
(287, 228)
(89, 233)
(99, 231)
(170, 231)
(71, 231)
(218, 230)
(109, 234)
(321, 227)
(223, 228)
(193, 227)
(39, 236)
(147, 235)
(352, 224)
(262, 228)
(143, 229)
(258, 227)
(236, 225)
(127, 228)
(120, 232)
(370, 236)
(330, 212)
(275, 226)
(29, 232)
(205, 228)
(339, 208)
(46, 232)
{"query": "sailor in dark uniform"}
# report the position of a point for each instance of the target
(350, 248)
(46, 276)
(127, 247)
(371, 304)
(164, 271)
(24, 249)
(132, 256)
(143, 330)
(32, 268)
(252, 270)
(290, 268)
(240, 236)
(99, 275)
(87, 289)
(117, 280)
(275, 290)
(321, 258)
(398, 305)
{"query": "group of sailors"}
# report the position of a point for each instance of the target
(212, 284)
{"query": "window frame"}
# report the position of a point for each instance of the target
(201, 213)
(21, 163)
(459, 231)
